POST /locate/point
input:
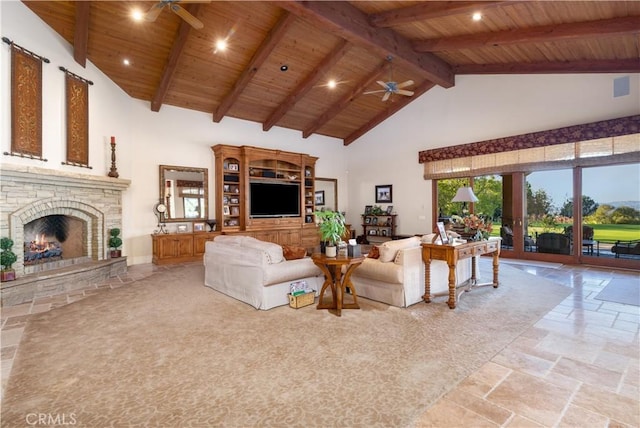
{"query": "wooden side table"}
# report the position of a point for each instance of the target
(451, 254)
(333, 277)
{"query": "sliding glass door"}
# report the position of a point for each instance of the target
(537, 218)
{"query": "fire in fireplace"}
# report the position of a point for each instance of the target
(53, 238)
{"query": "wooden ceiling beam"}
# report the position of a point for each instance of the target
(308, 83)
(174, 56)
(585, 66)
(429, 10)
(344, 102)
(259, 57)
(81, 32)
(345, 20)
(542, 34)
(391, 110)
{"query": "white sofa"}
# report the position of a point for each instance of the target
(397, 276)
(255, 271)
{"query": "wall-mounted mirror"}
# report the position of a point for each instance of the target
(327, 193)
(184, 192)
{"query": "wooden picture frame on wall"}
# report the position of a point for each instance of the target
(384, 194)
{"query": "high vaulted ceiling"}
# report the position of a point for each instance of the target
(430, 42)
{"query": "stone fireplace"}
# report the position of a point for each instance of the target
(62, 214)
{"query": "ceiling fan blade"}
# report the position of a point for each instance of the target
(386, 96)
(405, 84)
(404, 92)
(190, 19)
(383, 84)
(374, 92)
(153, 12)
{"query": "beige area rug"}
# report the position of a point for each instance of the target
(169, 352)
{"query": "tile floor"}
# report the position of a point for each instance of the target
(576, 367)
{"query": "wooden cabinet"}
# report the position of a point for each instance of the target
(379, 228)
(179, 247)
(229, 188)
(241, 168)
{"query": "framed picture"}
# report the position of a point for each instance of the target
(443, 233)
(374, 220)
(225, 210)
(367, 220)
(373, 232)
(233, 167)
(235, 200)
(389, 209)
(225, 188)
(384, 193)
(320, 197)
(182, 228)
(198, 227)
(367, 209)
(384, 232)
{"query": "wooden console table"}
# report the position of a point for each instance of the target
(333, 277)
(451, 254)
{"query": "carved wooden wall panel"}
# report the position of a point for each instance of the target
(26, 104)
(77, 120)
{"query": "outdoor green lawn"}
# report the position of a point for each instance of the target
(603, 232)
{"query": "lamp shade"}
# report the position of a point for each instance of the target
(465, 194)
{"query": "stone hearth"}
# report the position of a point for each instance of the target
(28, 193)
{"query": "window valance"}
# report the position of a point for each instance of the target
(599, 143)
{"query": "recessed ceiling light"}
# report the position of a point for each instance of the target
(476, 16)
(284, 67)
(221, 45)
(126, 61)
(332, 84)
(137, 15)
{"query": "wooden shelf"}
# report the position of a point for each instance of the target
(238, 166)
(379, 226)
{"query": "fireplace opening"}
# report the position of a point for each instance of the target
(54, 241)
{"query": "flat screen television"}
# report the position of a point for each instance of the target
(274, 199)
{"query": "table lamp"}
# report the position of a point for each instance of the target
(465, 194)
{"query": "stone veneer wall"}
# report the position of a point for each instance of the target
(28, 193)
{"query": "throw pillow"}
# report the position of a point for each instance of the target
(374, 252)
(293, 253)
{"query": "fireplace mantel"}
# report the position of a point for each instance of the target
(28, 193)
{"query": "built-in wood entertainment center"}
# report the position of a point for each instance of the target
(243, 169)
(286, 177)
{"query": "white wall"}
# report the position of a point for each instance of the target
(145, 139)
(477, 108)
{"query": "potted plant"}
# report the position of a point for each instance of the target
(115, 243)
(332, 228)
(7, 259)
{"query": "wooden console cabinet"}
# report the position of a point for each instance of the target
(236, 167)
(179, 247)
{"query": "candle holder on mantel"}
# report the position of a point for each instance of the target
(113, 172)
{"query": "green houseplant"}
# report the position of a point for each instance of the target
(332, 228)
(7, 259)
(115, 242)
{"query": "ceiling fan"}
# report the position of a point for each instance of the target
(153, 13)
(392, 87)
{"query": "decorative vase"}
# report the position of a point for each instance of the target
(331, 251)
(8, 275)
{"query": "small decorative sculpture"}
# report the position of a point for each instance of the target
(212, 224)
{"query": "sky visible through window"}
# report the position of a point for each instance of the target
(603, 184)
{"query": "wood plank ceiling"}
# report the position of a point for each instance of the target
(429, 42)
